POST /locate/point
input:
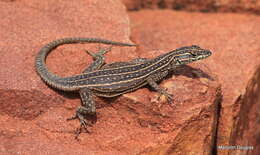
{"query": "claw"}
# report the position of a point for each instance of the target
(83, 123)
(169, 98)
(90, 53)
(72, 118)
(78, 131)
(102, 50)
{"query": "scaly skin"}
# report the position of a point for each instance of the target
(114, 79)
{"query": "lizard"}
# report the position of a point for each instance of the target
(110, 80)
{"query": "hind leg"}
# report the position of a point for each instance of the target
(87, 108)
(99, 59)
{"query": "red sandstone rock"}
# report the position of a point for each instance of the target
(232, 38)
(198, 5)
(33, 116)
(246, 127)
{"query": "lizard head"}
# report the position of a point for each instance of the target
(188, 54)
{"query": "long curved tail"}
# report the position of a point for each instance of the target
(54, 80)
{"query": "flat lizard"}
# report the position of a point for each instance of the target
(109, 80)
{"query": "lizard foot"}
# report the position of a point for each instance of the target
(169, 97)
(84, 123)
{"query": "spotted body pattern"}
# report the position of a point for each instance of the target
(109, 80)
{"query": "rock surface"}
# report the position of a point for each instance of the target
(33, 116)
(198, 5)
(246, 127)
(232, 38)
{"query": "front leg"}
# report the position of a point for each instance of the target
(155, 86)
(87, 108)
